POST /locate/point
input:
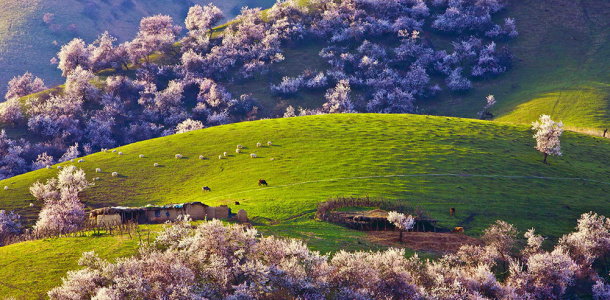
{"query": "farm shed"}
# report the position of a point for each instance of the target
(157, 213)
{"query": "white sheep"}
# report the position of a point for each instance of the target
(224, 154)
(219, 156)
(104, 150)
(239, 146)
(258, 145)
(178, 156)
(71, 160)
(31, 204)
(237, 150)
(120, 153)
(6, 188)
(98, 170)
(269, 143)
(115, 174)
(59, 167)
(252, 155)
(49, 167)
(200, 156)
(97, 178)
(113, 151)
(272, 158)
(141, 155)
(156, 165)
(81, 160)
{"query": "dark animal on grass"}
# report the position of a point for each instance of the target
(452, 211)
(206, 189)
(236, 203)
(262, 182)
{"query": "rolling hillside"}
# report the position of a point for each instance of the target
(431, 162)
(486, 170)
(561, 63)
(26, 42)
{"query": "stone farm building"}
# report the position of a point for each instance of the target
(157, 214)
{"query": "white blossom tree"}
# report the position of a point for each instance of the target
(189, 125)
(402, 222)
(547, 136)
(72, 55)
(10, 224)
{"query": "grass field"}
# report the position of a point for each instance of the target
(560, 67)
(399, 157)
(318, 157)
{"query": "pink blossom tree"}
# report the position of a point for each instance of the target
(62, 211)
(72, 55)
(24, 85)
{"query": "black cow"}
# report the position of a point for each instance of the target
(262, 182)
(206, 189)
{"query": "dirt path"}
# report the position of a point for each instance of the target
(426, 241)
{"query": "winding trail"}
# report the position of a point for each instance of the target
(416, 175)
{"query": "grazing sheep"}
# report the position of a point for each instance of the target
(113, 151)
(205, 189)
(200, 156)
(71, 160)
(141, 155)
(219, 156)
(269, 143)
(224, 154)
(6, 188)
(262, 182)
(178, 156)
(104, 150)
(120, 153)
(98, 170)
(239, 146)
(258, 145)
(237, 150)
(31, 204)
(49, 167)
(81, 160)
(156, 165)
(272, 159)
(59, 167)
(115, 174)
(252, 155)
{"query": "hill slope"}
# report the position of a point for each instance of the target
(432, 162)
(26, 42)
(560, 67)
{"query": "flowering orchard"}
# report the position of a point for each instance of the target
(216, 261)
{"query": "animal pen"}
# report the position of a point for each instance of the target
(157, 213)
(376, 219)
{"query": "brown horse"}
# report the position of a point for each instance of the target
(262, 182)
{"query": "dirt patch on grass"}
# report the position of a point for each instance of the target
(426, 241)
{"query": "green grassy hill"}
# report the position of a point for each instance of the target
(561, 64)
(486, 170)
(26, 43)
(432, 162)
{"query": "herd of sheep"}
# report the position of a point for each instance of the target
(177, 156)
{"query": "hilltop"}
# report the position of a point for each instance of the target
(27, 43)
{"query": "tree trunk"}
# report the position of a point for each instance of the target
(544, 160)
(400, 237)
